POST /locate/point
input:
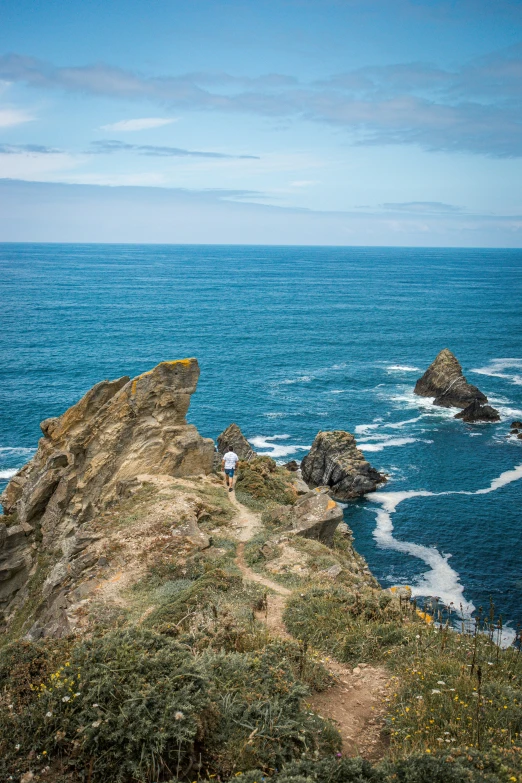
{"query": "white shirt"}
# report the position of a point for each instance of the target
(231, 460)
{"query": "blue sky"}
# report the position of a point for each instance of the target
(395, 122)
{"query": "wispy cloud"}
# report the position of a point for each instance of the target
(143, 123)
(421, 207)
(108, 146)
(12, 117)
(27, 149)
(474, 108)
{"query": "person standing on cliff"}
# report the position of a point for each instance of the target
(228, 464)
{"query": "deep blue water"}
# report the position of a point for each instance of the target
(294, 340)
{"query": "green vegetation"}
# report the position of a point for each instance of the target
(352, 626)
(261, 484)
(181, 680)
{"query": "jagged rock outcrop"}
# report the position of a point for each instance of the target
(477, 412)
(233, 437)
(334, 461)
(313, 515)
(86, 459)
(445, 381)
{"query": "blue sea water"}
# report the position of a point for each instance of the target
(292, 340)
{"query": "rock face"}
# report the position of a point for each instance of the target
(334, 461)
(86, 458)
(315, 515)
(233, 436)
(445, 381)
(477, 412)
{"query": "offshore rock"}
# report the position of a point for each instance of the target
(445, 381)
(334, 461)
(86, 459)
(233, 437)
(477, 412)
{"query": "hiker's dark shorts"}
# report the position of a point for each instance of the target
(230, 472)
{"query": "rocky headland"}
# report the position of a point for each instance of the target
(155, 627)
(334, 461)
(445, 381)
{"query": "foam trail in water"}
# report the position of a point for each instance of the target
(442, 580)
(275, 449)
(496, 370)
(389, 442)
(7, 474)
(402, 368)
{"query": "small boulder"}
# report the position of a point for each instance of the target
(293, 466)
(316, 516)
(335, 461)
(516, 425)
(233, 437)
(477, 412)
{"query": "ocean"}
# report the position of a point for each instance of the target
(293, 340)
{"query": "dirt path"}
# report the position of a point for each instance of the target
(356, 701)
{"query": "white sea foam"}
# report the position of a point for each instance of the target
(400, 424)
(383, 444)
(402, 368)
(275, 415)
(441, 580)
(291, 381)
(497, 367)
(7, 474)
(275, 450)
(362, 429)
(15, 450)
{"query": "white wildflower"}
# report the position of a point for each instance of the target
(441, 682)
(178, 715)
(434, 690)
(48, 714)
(66, 698)
(17, 747)
(96, 724)
(475, 694)
(95, 705)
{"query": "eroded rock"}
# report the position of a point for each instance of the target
(445, 381)
(315, 515)
(233, 437)
(90, 456)
(477, 412)
(335, 461)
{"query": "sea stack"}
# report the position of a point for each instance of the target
(445, 381)
(233, 437)
(334, 461)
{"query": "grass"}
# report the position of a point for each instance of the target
(261, 484)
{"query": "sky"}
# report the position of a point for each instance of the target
(343, 122)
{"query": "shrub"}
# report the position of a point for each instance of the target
(261, 484)
(261, 723)
(350, 625)
(128, 705)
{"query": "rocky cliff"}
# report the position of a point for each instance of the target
(86, 460)
(445, 381)
(335, 461)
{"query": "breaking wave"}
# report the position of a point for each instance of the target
(275, 450)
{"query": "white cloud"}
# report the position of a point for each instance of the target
(143, 123)
(10, 117)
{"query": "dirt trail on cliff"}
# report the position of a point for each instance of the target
(356, 701)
